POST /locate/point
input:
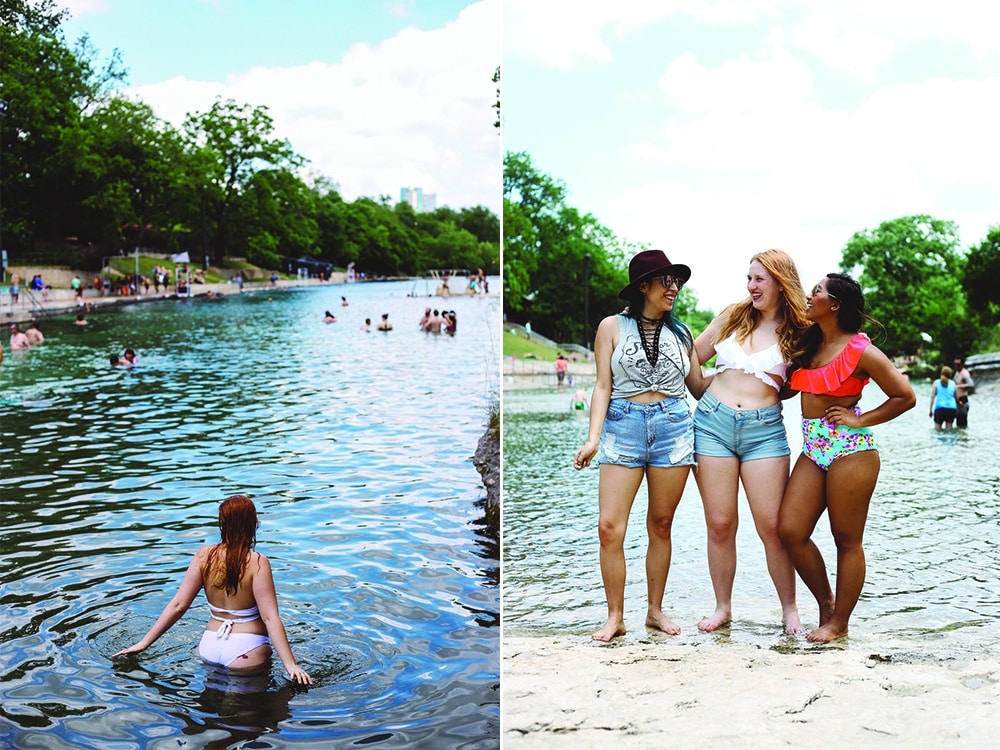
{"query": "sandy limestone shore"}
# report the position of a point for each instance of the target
(644, 692)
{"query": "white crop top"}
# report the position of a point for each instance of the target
(729, 355)
(631, 372)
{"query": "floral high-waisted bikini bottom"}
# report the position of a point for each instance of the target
(823, 442)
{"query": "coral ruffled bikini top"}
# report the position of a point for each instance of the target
(835, 378)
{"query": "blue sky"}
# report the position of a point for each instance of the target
(717, 129)
(377, 95)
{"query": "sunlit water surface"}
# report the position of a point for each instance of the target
(932, 586)
(356, 448)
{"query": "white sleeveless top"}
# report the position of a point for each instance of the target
(729, 355)
(631, 372)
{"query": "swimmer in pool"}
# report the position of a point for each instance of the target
(243, 621)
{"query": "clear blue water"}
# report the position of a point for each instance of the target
(356, 448)
(933, 583)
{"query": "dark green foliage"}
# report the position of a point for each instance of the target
(551, 251)
(89, 174)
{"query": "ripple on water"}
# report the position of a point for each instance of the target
(356, 449)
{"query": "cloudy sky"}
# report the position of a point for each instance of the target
(378, 95)
(717, 129)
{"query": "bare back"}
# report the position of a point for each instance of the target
(218, 596)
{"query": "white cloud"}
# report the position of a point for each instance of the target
(415, 109)
(769, 81)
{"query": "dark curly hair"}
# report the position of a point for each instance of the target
(851, 317)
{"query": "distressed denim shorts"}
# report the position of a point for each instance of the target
(658, 434)
(746, 434)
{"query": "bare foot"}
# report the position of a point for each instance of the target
(826, 612)
(656, 619)
(613, 628)
(792, 623)
(826, 633)
(721, 616)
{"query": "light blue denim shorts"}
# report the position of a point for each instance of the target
(658, 434)
(746, 434)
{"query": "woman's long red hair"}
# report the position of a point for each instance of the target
(238, 526)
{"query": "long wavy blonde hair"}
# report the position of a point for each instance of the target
(743, 317)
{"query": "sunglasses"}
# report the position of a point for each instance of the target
(668, 281)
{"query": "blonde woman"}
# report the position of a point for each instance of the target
(944, 404)
(739, 428)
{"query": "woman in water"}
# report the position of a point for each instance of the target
(739, 431)
(640, 419)
(243, 619)
(839, 465)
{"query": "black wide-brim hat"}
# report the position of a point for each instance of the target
(647, 265)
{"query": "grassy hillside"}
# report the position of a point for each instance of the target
(515, 344)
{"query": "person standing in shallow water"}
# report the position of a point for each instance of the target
(243, 622)
(739, 431)
(645, 356)
(840, 463)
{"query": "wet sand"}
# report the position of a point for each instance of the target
(649, 692)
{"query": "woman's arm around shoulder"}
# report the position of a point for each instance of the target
(177, 606)
(267, 605)
(705, 343)
(696, 381)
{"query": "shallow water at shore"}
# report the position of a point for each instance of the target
(356, 448)
(932, 583)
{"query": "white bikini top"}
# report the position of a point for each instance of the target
(237, 615)
(729, 355)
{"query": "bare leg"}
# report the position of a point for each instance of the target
(850, 485)
(665, 488)
(718, 483)
(616, 493)
(803, 503)
(764, 480)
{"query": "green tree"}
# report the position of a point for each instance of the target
(982, 270)
(43, 84)
(910, 271)
(236, 141)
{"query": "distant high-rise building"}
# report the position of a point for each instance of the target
(418, 199)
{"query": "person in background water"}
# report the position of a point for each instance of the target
(739, 431)
(329, 317)
(81, 320)
(367, 325)
(645, 356)
(384, 324)
(18, 340)
(344, 302)
(579, 401)
(33, 335)
(243, 623)
(964, 387)
(562, 364)
(130, 358)
(943, 403)
(840, 463)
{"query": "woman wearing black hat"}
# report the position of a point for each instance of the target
(641, 421)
